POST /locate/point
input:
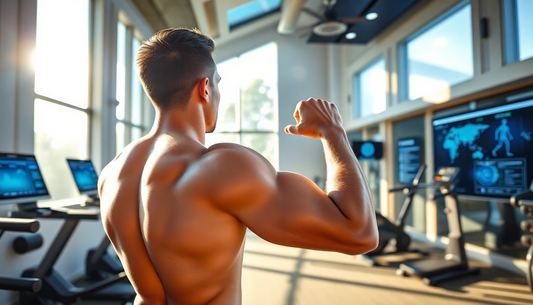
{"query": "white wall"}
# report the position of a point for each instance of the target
(303, 73)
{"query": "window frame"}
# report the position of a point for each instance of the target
(241, 131)
(129, 54)
(356, 87)
(510, 32)
(403, 62)
(89, 110)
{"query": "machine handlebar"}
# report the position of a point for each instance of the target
(516, 199)
(20, 284)
(19, 225)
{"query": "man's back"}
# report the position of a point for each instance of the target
(178, 247)
(176, 212)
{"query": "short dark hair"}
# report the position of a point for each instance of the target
(171, 62)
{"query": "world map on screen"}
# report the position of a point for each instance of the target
(465, 135)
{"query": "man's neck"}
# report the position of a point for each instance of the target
(189, 122)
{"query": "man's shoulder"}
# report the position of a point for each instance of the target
(234, 176)
(228, 151)
(224, 155)
(228, 163)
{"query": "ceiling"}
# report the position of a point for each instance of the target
(210, 17)
(388, 11)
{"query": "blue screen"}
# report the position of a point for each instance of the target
(84, 175)
(20, 177)
(493, 147)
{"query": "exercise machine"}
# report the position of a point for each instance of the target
(55, 287)
(454, 263)
(395, 231)
(19, 284)
(524, 200)
(99, 264)
(23, 184)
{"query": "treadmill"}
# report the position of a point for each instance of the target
(395, 230)
(22, 183)
(524, 200)
(454, 263)
(99, 264)
(19, 225)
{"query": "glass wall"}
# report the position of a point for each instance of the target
(61, 117)
(370, 89)
(249, 102)
(438, 56)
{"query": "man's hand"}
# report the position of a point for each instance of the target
(315, 118)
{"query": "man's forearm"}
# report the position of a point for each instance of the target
(346, 184)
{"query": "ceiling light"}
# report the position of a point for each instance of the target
(371, 16)
(350, 35)
(330, 28)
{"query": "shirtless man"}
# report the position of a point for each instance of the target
(177, 212)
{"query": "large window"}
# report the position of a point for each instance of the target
(133, 115)
(518, 25)
(62, 90)
(439, 55)
(251, 10)
(248, 111)
(370, 89)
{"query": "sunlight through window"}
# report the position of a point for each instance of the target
(442, 55)
(61, 77)
(62, 51)
(248, 111)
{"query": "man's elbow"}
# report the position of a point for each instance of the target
(363, 243)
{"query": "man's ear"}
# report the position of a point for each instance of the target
(204, 89)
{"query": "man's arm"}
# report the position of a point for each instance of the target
(289, 209)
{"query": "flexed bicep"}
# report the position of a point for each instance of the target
(299, 214)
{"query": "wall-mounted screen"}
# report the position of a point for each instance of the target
(367, 150)
(493, 147)
(408, 159)
(21, 180)
(84, 175)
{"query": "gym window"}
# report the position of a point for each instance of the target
(250, 11)
(517, 25)
(248, 110)
(370, 89)
(61, 114)
(133, 104)
(439, 55)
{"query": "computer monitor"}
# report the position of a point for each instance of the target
(21, 180)
(493, 147)
(85, 176)
(367, 150)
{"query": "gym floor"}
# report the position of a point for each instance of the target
(276, 275)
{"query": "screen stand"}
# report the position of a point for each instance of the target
(33, 208)
(92, 200)
(501, 226)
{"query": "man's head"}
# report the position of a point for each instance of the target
(172, 62)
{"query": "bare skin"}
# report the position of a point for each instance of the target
(177, 212)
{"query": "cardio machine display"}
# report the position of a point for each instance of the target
(21, 180)
(493, 147)
(84, 175)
